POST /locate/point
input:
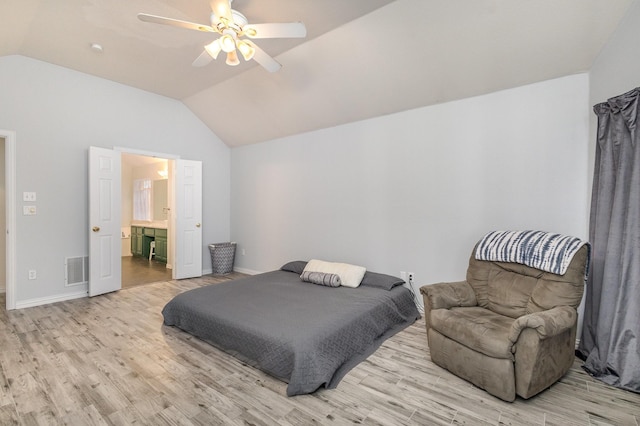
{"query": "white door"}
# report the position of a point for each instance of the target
(104, 221)
(188, 219)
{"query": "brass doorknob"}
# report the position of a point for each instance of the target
(197, 225)
(96, 228)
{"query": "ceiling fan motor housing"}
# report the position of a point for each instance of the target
(239, 20)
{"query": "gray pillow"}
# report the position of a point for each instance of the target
(383, 281)
(370, 279)
(296, 266)
(329, 280)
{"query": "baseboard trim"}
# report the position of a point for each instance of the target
(247, 271)
(30, 303)
(240, 270)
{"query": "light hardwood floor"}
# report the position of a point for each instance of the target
(109, 360)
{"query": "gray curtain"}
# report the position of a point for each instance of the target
(610, 341)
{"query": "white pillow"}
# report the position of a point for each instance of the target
(350, 275)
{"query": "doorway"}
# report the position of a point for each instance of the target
(3, 220)
(8, 173)
(184, 253)
(145, 216)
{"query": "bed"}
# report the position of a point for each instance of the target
(305, 334)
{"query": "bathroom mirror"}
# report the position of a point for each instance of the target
(160, 199)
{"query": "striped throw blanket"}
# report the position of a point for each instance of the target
(537, 249)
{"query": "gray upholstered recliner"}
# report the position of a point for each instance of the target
(509, 328)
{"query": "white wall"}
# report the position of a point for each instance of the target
(414, 191)
(57, 114)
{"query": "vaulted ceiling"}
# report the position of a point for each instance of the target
(361, 58)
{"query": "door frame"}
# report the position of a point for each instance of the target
(164, 156)
(10, 199)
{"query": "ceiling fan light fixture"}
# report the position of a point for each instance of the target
(232, 26)
(213, 48)
(246, 50)
(232, 58)
(227, 43)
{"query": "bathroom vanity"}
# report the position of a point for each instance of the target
(141, 238)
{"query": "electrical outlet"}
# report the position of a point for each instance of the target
(410, 277)
(243, 252)
(32, 274)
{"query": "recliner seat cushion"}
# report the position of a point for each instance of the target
(477, 328)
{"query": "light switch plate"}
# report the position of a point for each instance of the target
(28, 196)
(28, 210)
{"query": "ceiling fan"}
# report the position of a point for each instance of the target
(232, 27)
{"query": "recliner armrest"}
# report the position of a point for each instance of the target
(547, 323)
(448, 295)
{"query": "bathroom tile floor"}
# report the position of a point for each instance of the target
(139, 270)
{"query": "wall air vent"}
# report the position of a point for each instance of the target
(76, 270)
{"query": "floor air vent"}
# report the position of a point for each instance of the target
(76, 270)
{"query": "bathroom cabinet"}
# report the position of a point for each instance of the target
(141, 237)
(161, 245)
(136, 240)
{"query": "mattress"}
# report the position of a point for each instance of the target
(305, 334)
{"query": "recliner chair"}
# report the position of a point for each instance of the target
(510, 328)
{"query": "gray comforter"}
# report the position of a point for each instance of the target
(305, 334)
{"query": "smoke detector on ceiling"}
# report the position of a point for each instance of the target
(97, 48)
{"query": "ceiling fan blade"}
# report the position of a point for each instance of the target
(222, 9)
(202, 60)
(285, 30)
(264, 59)
(174, 23)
